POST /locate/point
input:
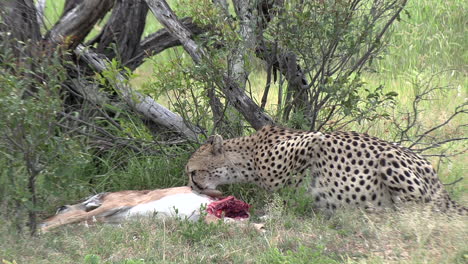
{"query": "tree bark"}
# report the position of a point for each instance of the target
(21, 20)
(123, 29)
(75, 25)
(248, 43)
(158, 42)
(40, 7)
(20, 23)
(169, 20)
(244, 104)
(238, 59)
(69, 5)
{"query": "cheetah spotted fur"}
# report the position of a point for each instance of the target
(346, 168)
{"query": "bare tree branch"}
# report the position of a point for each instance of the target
(377, 40)
(169, 20)
(244, 104)
(458, 110)
(158, 42)
(438, 144)
(443, 155)
(408, 124)
(454, 182)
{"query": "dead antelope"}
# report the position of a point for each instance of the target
(116, 207)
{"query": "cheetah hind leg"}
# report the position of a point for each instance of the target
(404, 184)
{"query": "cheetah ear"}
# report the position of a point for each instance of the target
(216, 142)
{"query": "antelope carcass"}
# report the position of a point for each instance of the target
(117, 207)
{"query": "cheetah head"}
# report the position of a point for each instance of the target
(208, 167)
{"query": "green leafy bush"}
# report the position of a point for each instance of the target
(30, 103)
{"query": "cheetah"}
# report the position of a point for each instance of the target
(345, 168)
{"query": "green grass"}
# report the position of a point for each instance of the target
(432, 38)
(431, 42)
(411, 236)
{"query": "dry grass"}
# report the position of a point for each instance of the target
(411, 235)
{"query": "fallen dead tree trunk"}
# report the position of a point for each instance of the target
(70, 31)
(144, 105)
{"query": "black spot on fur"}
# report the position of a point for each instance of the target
(382, 162)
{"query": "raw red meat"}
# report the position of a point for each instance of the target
(229, 207)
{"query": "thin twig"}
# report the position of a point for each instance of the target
(454, 182)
